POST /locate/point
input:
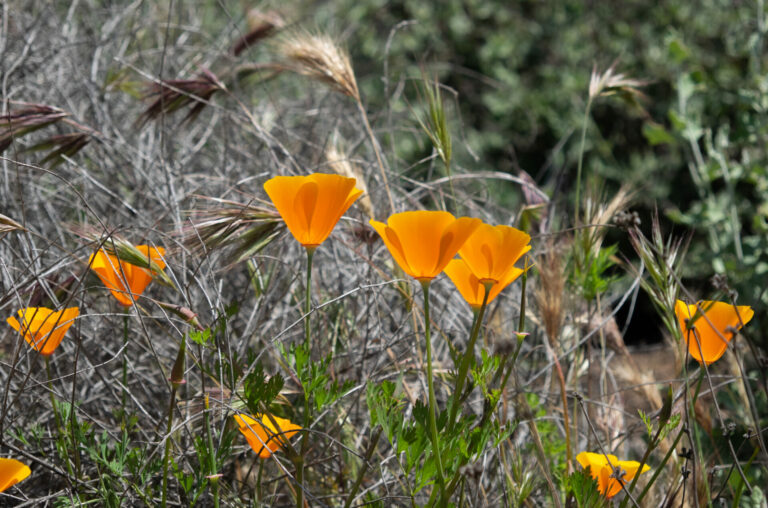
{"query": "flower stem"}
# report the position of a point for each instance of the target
(125, 368)
(177, 379)
(168, 445)
(299, 461)
(466, 360)
(308, 300)
(431, 386)
(56, 414)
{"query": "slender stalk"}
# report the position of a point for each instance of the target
(581, 160)
(377, 151)
(308, 299)
(211, 454)
(299, 461)
(124, 402)
(364, 468)
(431, 386)
(466, 360)
(168, 444)
(177, 379)
(56, 414)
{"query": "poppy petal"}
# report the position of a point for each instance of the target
(12, 472)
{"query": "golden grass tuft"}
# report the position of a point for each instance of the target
(319, 57)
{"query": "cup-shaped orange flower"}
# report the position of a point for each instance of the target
(469, 284)
(43, 328)
(264, 437)
(492, 251)
(312, 205)
(712, 330)
(124, 279)
(12, 472)
(609, 471)
(424, 242)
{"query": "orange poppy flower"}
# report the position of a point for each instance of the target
(469, 285)
(111, 271)
(713, 329)
(12, 472)
(491, 251)
(312, 205)
(423, 242)
(609, 480)
(263, 436)
(37, 324)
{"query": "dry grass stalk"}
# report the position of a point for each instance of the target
(320, 58)
(549, 296)
(600, 215)
(246, 228)
(341, 164)
(29, 118)
(175, 94)
(610, 83)
(7, 225)
(260, 26)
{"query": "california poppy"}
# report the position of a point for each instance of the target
(423, 242)
(711, 331)
(12, 472)
(312, 205)
(469, 285)
(263, 436)
(609, 475)
(124, 279)
(492, 251)
(37, 324)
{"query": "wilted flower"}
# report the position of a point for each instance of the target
(263, 436)
(122, 278)
(44, 328)
(424, 242)
(712, 330)
(12, 472)
(611, 475)
(311, 205)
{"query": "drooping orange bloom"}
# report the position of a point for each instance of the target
(312, 205)
(12, 472)
(423, 242)
(492, 251)
(711, 330)
(609, 480)
(124, 279)
(469, 285)
(263, 436)
(43, 328)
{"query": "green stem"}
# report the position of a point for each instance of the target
(211, 454)
(299, 461)
(581, 160)
(466, 360)
(363, 468)
(168, 444)
(56, 414)
(308, 299)
(125, 369)
(177, 379)
(431, 386)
